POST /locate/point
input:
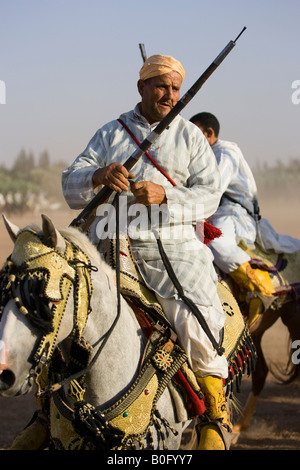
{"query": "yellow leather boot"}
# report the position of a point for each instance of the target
(251, 280)
(213, 434)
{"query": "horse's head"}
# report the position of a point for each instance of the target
(35, 284)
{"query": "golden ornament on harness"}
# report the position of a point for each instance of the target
(162, 359)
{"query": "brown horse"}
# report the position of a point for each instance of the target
(284, 273)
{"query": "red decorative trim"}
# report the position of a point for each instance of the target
(146, 153)
(210, 232)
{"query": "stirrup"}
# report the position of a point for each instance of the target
(225, 431)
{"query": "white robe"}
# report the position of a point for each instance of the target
(184, 153)
(234, 220)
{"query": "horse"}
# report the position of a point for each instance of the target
(66, 331)
(284, 274)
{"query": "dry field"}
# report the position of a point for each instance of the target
(275, 424)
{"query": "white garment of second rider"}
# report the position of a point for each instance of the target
(233, 219)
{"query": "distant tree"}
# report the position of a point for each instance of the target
(44, 160)
(30, 162)
(24, 163)
(20, 162)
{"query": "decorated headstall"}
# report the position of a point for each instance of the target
(39, 279)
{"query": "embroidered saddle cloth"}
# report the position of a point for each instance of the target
(237, 342)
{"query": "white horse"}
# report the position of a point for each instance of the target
(117, 367)
(66, 330)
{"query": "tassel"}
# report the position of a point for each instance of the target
(90, 424)
(210, 233)
(207, 232)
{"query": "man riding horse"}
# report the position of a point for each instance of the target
(185, 155)
(239, 220)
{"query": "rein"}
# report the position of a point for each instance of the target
(75, 376)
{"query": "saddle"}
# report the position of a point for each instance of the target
(153, 321)
(165, 364)
(237, 342)
(126, 423)
(282, 267)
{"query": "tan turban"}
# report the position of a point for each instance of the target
(160, 64)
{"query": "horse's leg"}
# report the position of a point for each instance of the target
(190, 440)
(260, 373)
(258, 380)
(290, 317)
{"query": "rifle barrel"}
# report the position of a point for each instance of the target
(143, 51)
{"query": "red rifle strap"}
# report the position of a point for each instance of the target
(146, 153)
(209, 231)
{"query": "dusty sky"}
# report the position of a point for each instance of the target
(69, 66)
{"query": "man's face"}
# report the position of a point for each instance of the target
(159, 95)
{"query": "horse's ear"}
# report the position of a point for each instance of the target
(12, 229)
(52, 235)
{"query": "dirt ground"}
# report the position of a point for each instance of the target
(275, 425)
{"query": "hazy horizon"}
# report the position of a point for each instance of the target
(69, 67)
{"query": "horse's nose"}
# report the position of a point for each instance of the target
(7, 379)
(3, 357)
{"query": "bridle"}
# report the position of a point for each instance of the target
(49, 277)
(54, 275)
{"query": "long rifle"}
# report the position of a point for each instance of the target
(81, 220)
(143, 51)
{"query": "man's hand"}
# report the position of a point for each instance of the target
(148, 193)
(115, 176)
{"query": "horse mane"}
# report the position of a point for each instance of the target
(81, 240)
